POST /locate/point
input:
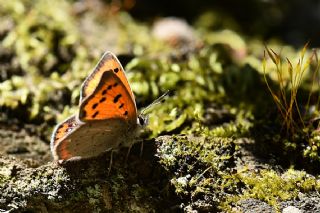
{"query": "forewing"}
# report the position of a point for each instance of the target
(108, 63)
(110, 100)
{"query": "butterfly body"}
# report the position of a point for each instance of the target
(107, 118)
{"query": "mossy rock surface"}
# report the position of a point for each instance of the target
(138, 185)
(236, 133)
(174, 172)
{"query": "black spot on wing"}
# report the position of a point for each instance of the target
(95, 105)
(115, 84)
(116, 99)
(104, 92)
(125, 113)
(102, 99)
(116, 70)
(95, 114)
(71, 125)
(121, 105)
(109, 87)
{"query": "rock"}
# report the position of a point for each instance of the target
(291, 209)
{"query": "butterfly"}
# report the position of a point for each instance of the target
(107, 119)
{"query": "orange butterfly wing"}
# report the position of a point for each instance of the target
(108, 63)
(63, 129)
(110, 100)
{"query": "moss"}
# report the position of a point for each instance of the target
(272, 187)
(64, 188)
(94, 196)
(24, 183)
(198, 166)
(65, 67)
(42, 43)
(203, 171)
(217, 99)
(311, 151)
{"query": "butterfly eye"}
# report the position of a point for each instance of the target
(141, 121)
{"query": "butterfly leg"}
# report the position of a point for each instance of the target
(141, 149)
(110, 163)
(127, 156)
(129, 149)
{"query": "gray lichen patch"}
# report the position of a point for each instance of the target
(85, 185)
(217, 174)
(23, 185)
(199, 168)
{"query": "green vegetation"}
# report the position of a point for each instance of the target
(225, 96)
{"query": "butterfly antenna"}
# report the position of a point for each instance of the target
(110, 163)
(156, 102)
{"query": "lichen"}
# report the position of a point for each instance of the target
(203, 171)
(272, 187)
(219, 135)
(199, 166)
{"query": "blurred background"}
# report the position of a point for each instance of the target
(213, 48)
(47, 48)
(294, 22)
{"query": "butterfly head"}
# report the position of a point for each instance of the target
(143, 120)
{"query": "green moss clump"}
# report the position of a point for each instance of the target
(204, 173)
(312, 150)
(199, 166)
(272, 187)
